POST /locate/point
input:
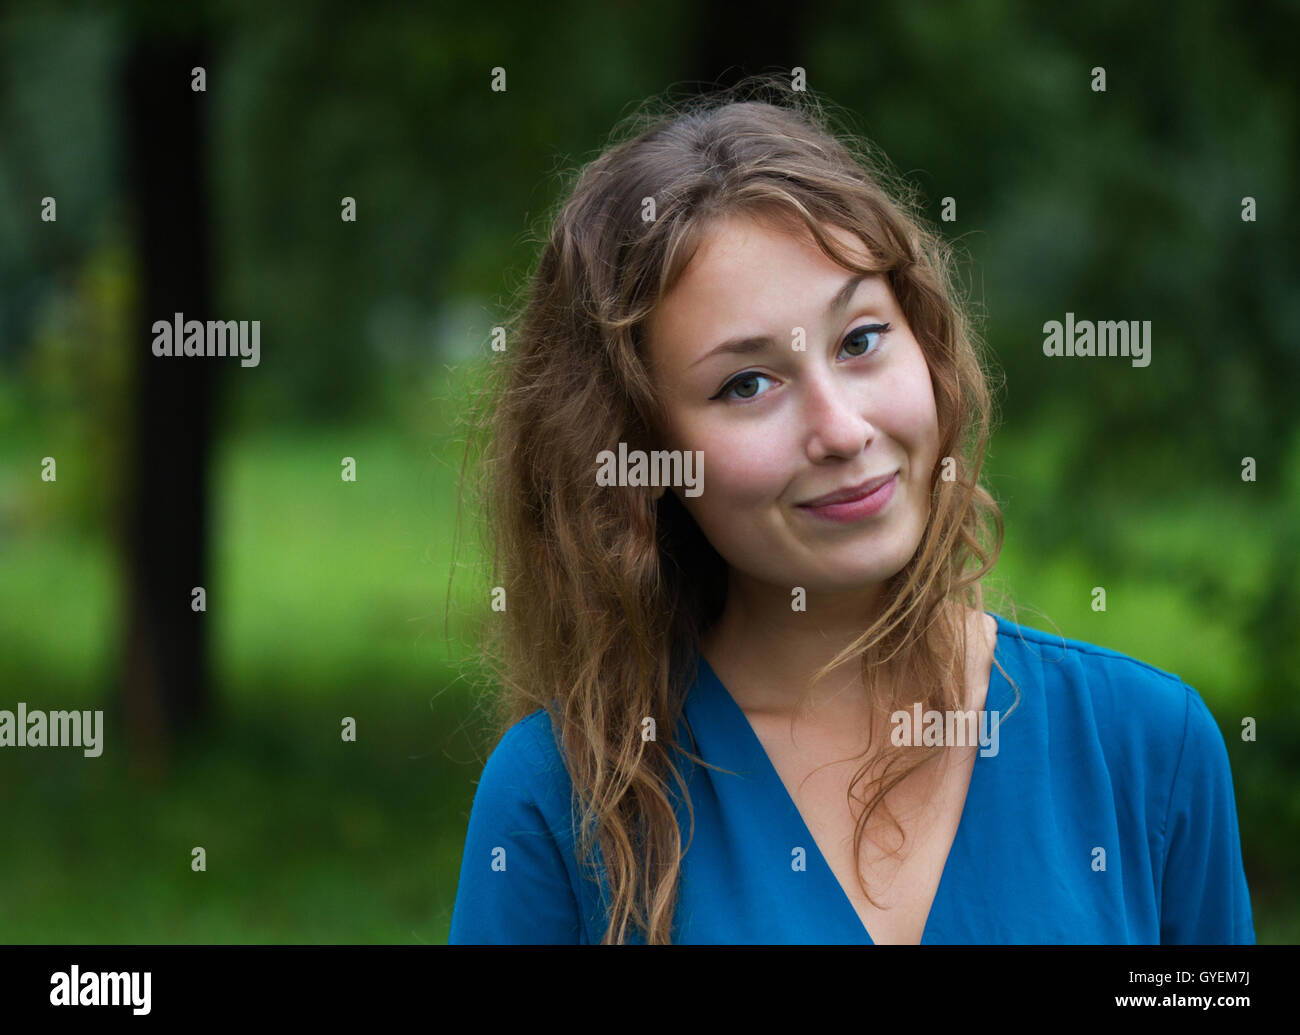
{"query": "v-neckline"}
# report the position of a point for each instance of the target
(773, 778)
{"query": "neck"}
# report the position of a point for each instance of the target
(765, 652)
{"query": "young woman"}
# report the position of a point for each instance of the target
(751, 693)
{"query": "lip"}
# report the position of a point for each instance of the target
(868, 503)
(851, 494)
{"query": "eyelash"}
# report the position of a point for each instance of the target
(873, 328)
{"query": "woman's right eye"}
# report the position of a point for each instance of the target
(742, 381)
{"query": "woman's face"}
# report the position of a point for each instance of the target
(779, 426)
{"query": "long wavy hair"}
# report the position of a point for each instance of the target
(608, 591)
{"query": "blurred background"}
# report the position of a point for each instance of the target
(328, 598)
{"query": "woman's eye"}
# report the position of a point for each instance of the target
(741, 385)
(858, 338)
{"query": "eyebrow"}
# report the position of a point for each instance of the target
(747, 345)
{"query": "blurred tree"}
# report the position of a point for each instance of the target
(164, 677)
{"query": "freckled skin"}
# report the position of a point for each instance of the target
(814, 422)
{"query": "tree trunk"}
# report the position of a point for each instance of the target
(163, 689)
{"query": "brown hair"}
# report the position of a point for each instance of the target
(608, 590)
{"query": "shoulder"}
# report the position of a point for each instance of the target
(1137, 714)
(1138, 753)
(518, 881)
(1113, 685)
(525, 765)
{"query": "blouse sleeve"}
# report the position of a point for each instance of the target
(514, 886)
(1204, 898)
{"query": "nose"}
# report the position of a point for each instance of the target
(834, 414)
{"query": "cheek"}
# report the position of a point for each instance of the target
(742, 468)
(744, 472)
(913, 411)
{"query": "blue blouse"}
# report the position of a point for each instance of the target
(1102, 752)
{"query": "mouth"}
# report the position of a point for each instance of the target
(850, 494)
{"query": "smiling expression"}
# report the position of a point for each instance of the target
(781, 426)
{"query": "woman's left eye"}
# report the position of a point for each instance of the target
(859, 336)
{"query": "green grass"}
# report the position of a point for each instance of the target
(307, 838)
(327, 600)
(331, 581)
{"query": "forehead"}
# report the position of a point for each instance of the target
(749, 275)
